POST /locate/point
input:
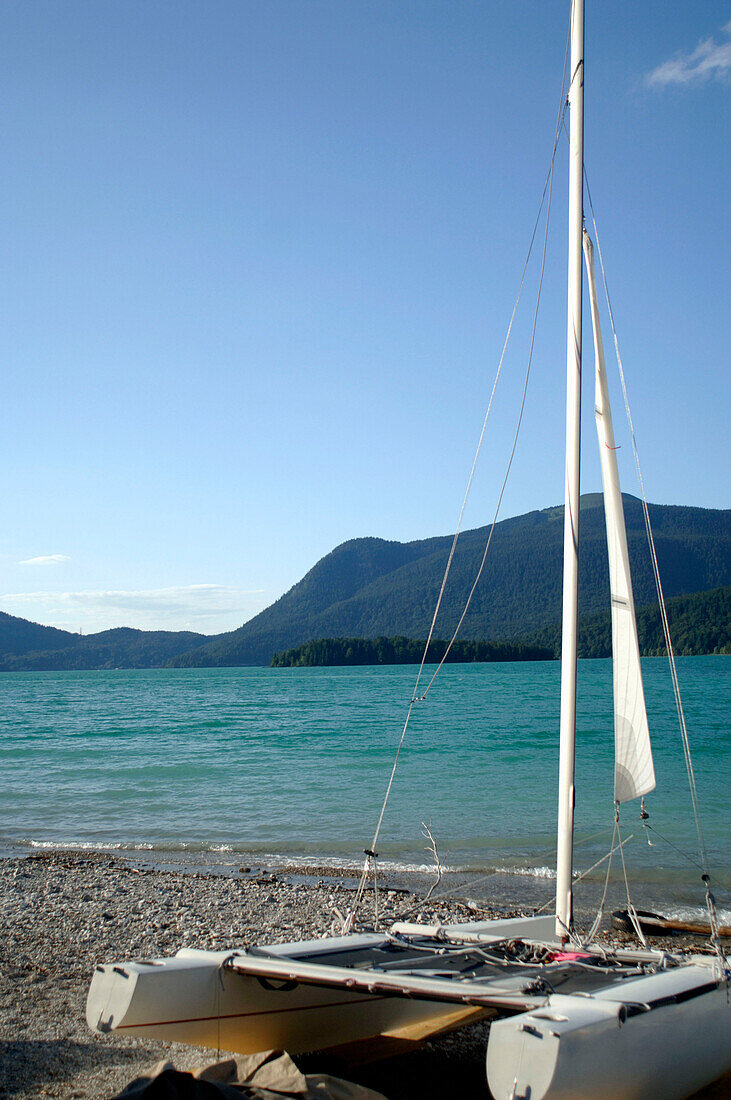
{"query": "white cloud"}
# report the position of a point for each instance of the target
(708, 61)
(205, 608)
(46, 559)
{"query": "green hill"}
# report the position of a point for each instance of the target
(44, 647)
(20, 636)
(371, 588)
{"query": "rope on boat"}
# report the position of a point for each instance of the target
(548, 186)
(596, 924)
(685, 855)
(578, 877)
(630, 905)
(546, 195)
(705, 875)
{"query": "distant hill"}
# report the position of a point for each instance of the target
(26, 646)
(20, 636)
(370, 588)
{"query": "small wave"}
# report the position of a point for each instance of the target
(74, 845)
(529, 872)
(125, 846)
(343, 863)
(695, 914)
(89, 846)
(270, 859)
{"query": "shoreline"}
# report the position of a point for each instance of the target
(63, 912)
(495, 886)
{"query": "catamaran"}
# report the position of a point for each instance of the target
(571, 1017)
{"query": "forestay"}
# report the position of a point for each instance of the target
(634, 773)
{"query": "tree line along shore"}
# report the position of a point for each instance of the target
(403, 651)
(700, 625)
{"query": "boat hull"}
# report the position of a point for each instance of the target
(205, 998)
(673, 1040)
(193, 998)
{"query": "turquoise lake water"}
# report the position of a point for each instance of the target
(288, 764)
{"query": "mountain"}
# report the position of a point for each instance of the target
(21, 636)
(26, 646)
(370, 588)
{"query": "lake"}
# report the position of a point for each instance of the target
(217, 766)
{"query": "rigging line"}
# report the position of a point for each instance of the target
(630, 907)
(517, 428)
(578, 877)
(366, 866)
(563, 104)
(674, 846)
(655, 567)
(547, 188)
(498, 871)
(614, 848)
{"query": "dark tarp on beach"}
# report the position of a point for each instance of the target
(271, 1075)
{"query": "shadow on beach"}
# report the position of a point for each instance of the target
(40, 1064)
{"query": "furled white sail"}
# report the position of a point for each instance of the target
(634, 773)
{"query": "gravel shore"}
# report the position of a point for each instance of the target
(62, 913)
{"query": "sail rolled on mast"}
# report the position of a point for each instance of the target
(634, 772)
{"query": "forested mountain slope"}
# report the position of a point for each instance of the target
(21, 636)
(370, 587)
(699, 623)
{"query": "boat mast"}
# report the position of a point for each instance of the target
(565, 846)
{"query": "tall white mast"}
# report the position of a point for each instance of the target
(571, 508)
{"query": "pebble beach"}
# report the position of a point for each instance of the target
(62, 913)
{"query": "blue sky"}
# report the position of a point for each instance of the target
(259, 262)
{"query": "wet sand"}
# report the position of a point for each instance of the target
(61, 913)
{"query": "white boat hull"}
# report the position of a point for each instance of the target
(665, 1036)
(197, 997)
(192, 998)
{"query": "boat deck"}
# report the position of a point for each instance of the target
(512, 970)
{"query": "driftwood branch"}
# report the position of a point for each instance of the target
(438, 869)
(432, 849)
